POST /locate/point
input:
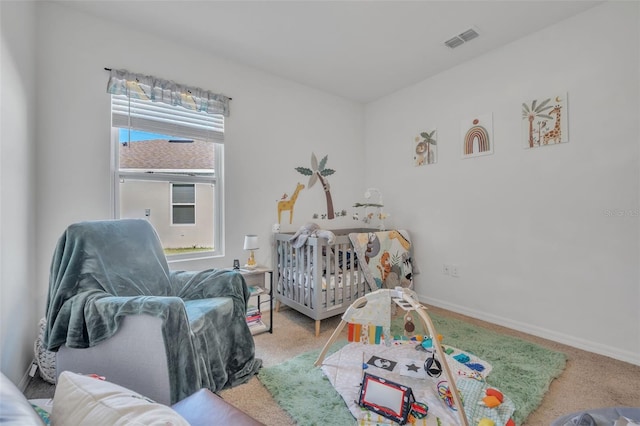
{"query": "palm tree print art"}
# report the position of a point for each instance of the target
(319, 171)
(424, 153)
(535, 111)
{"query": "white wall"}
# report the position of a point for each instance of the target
(274, 126)
(546, 240)
(18, 293)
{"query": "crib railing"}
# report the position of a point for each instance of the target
(319, 279)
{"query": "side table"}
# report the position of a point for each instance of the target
(256, 280)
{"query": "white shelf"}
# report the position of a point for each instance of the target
(258, 287)
(258, 327)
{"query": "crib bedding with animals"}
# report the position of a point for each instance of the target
(388, 256)
(319, 279)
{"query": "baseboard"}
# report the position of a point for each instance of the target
(26, 377)
(586, 345)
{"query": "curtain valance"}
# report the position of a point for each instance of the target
(146, 87)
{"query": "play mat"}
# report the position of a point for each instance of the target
(397, 363)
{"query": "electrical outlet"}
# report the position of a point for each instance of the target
(455, 271)
(446, 269)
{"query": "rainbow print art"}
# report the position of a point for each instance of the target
(477, 136)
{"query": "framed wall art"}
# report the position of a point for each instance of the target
(477, 136)
(544, 121)
(425, 150)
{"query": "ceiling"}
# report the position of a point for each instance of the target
(360, 50)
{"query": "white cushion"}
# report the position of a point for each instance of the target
(84, 400)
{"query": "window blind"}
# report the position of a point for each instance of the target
(158, 117)
(184, 193)
(184, 215)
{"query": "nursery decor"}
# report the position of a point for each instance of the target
(316, 272)
(386, 398)
(388, 257)
(287, 204)
(312, 230)
(372, 208)
(251, 244)
(319, 171)
(477, 136)
(366, 311)
(341, 369)
(544, 121)
(426, 149)
(521, 370)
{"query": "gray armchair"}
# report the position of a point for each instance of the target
(115, 309)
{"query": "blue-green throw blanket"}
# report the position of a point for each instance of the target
(103, 271)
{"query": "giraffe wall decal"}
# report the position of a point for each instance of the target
(287, 205)
(554, 134)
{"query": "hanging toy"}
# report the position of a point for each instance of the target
(427, 343)
(445, 394)
(409, 326)
(432, 366)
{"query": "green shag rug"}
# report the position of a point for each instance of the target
(521, 370)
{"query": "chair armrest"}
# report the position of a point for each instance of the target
(134, 357)
(96, 317)
(206, 408)
(209, 284)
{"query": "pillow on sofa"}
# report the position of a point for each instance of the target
(83, 400)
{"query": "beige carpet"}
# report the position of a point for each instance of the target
(589, 381)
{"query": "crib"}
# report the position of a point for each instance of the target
(319, 280)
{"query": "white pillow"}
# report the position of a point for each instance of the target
(83, 400)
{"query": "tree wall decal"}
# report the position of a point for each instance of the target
(319, 171)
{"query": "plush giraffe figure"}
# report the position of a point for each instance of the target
(284, 205)
(556, 133)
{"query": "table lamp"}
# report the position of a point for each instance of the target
(251, 244)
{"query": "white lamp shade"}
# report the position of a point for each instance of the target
(251, 242)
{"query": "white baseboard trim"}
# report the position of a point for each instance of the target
(24, 382)
(586, 345)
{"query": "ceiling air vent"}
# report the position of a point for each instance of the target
(461, 38)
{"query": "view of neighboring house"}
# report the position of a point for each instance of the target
(179, 210)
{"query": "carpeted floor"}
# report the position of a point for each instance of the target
(521, 369)
(588, 381)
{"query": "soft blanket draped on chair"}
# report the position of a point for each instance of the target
(104, 270)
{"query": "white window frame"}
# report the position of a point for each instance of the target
(217, 181)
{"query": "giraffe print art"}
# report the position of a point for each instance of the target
(544, 121)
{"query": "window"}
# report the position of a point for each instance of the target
(183, 204)
(167, 170)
